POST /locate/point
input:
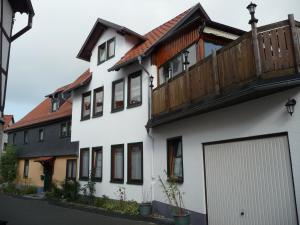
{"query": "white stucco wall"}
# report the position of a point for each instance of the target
(122, 127)
(257, 117)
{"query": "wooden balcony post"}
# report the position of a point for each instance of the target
(215, 71)
(167, 96)
(255, 45)
(295, 42)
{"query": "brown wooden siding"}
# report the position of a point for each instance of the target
(231, 67)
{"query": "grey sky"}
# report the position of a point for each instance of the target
(45, 57)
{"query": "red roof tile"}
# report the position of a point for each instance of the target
(83, 79)
(152, 37)
(42, 113)
(7, 119)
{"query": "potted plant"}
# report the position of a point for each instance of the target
(146, 205)
(175, 197)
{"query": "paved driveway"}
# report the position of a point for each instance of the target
(34, 212)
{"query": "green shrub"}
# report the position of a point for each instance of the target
(131, 208)
(55, 192)
(29, 190)
(71, 189)
(8, 164)
(10, 188)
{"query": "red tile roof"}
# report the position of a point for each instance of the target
(43, 112)
(152, 37)
(82, 80)
(7, 119)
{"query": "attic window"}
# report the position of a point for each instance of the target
(54, 105)
(106, 51)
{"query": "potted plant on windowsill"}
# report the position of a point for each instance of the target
(181, 216)
(87, 106)
(146, 205)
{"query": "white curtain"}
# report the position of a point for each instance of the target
(111, 48)
(135, 89)
(98, 171)
(178, 161)
(99, 100)
(118, 95)
(85, 164)
(118, 164)
(136, 162)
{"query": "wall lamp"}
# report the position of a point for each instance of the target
(290, 106)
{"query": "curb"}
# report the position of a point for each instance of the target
(104, 212)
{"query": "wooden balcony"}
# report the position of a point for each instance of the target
(230, 76)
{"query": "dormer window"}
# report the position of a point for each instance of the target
(54, 105)
(106, 51)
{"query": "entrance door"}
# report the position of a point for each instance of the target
(250, 182)
(48, 171)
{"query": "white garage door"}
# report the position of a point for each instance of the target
(250, 183)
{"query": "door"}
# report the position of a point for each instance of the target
(250, 182)
(48, 171)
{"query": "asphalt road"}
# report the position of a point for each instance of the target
(35, 212)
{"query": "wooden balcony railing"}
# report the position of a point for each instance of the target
(233, 65)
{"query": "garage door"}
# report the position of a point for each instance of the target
(250, 183)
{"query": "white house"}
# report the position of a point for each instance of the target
(214, 122)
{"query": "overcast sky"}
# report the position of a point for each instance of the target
(45, 57)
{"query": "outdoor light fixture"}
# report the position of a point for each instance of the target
(251, 7)
(290, 105)
(186, 60)
(151, 81)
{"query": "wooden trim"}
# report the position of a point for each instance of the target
(112, 170)
(97, 90)
(134, 75)
(86, 94)
(295, 42)
(81, 177)
(129, 150)
(96, 150)
(113, 95)
(169, 141)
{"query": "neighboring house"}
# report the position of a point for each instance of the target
(42, 138)
(8, 121)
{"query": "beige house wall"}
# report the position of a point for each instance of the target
(36, 170)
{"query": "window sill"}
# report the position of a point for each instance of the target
(117, 110)
(117, 181)
(135, 182)
(175, 180)
(97, 180)
(83, 179)
(97, 115)
(101, 62)
(129, 106)
(85, 118)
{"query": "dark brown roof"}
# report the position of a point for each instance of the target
(22, 6)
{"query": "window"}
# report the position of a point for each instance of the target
(117, 164)
(14, 138)
(135, 163)
(97, 163)
(175, 160)
(86, 106)
(41, 135)
(176, 65)
(208, 47)
(25, 137)
(111, 48)
(135, 89)
(54, 105)
(63, 130)
(101, 53)
(71, 169)
(98, 102)
(118, 95)
(84, 163)
(26, 168)
(69, 128)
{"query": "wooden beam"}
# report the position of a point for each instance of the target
(256, 53)
(295, 42)
(215, 71)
